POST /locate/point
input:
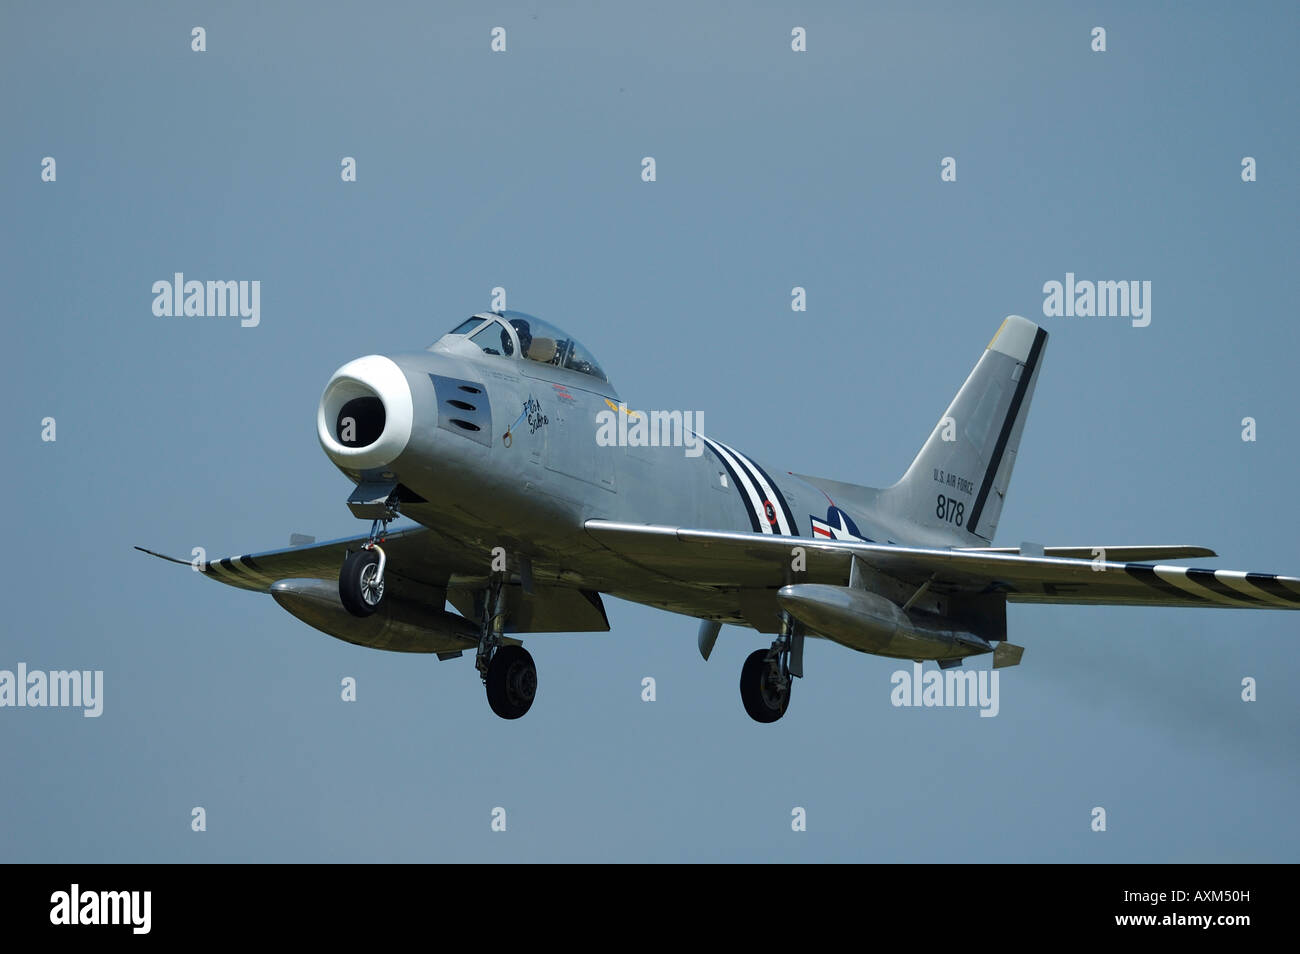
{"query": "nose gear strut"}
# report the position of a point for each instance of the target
(361, 579)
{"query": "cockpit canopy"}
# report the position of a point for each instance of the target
(512, 333)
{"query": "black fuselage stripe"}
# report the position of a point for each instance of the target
(1027, 375)
(780, 497)
(1271, 585)
(740, 487)
(768, 526)
(753, 470)
(1211, 582)
(1148, 575)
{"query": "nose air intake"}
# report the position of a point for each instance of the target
(360, 422)
(365, 415)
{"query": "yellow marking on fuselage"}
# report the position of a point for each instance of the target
(622, 407)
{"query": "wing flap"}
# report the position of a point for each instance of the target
(1120, 554)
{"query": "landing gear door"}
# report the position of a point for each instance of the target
(372, 500)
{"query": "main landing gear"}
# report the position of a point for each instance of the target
(508, 672)
(768, 674)
(361, 580)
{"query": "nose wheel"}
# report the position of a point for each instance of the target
(361, 583)
(361, 580)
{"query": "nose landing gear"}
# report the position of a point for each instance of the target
(361, 580)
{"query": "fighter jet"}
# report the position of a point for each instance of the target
(536, 489)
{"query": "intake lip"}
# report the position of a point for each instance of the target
(372, 396)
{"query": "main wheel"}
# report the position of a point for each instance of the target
(764, 700)
(511, 682)
(359, 591)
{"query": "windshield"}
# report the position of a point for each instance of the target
(539, 341)
(493, 338)
(465, 327)
(544, 343)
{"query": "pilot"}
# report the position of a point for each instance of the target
(525, 335)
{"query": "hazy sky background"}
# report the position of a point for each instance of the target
(522, 169)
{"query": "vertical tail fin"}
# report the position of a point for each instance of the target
(957, 483)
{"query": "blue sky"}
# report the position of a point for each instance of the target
(522, 169)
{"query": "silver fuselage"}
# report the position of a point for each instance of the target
(531, 492)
